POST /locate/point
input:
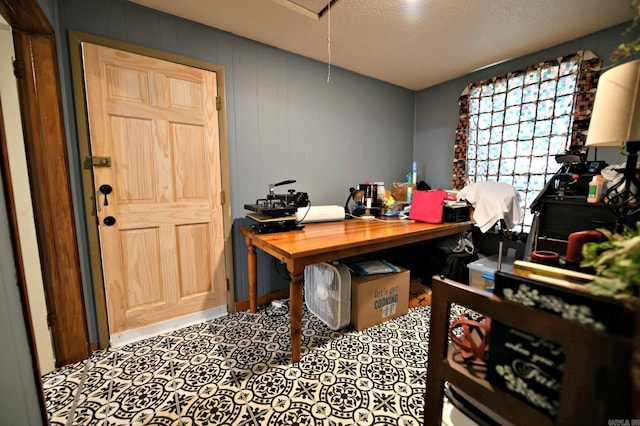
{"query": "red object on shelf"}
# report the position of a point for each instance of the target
(546, 257)
(576, 241)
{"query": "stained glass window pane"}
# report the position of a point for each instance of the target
(515, 81)
(558, 144)
(487, 90)
(483, 137)
(524, 148)
(499, 102)
(494, 151)
(522, 165)
(569, 67)
(530, 93)
(529, 111)
(545, 109)
(507, 166)
(548, 90)
(536, 182)
(511, 132)
(540, 146)
(485, 121)
(514, 97)
(543, 128)
(509, 149)
(494, 167)
(567, 85)
(496, 135)
(533, 76)
(483, 152)
(563, 105)
(523, 120)
(513, 115)
(486, 104)
(474, 106)
(526, 130)
(550, 72)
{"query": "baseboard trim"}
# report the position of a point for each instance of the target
(130, 336)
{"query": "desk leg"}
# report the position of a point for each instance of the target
(252, 267)
(295, 313)
(438, 346)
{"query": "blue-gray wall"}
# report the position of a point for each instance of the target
(19, 403)
(437, 107)
(284, 120)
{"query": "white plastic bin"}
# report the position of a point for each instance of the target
(482, 271)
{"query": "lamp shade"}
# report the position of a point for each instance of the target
(615, 119)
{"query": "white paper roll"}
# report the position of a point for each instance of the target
(320, 214)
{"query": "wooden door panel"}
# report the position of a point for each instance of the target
(142, 268)
(140, 216)
(164, 256)
(134, 151)
(185, 94)
(190, 168)
(127, 84)
(195, 266)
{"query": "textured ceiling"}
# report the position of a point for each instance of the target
(410, 43)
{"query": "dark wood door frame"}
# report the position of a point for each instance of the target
(49, 176)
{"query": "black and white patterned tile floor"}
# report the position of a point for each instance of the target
(235, 370)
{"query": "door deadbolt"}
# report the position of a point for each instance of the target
(105, 190)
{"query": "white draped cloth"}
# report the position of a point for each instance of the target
(492, 201)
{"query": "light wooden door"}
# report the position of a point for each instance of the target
(157, 124)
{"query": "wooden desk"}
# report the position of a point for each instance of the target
(324, 242)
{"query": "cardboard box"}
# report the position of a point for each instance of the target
(399, 190)
(378, 298)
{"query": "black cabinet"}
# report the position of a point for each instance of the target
(560, 217)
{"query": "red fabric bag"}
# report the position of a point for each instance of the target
(427, 206)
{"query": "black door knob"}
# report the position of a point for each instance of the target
(109, 221)
(106, 190)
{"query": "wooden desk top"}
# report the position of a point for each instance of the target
(325, 241)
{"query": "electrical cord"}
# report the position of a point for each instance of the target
(277, 308)
(298, 222)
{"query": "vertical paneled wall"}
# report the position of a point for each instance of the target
(284, 121)
(18, 391)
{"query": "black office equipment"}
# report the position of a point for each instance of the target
(276, 226)
(277, 212)
(456, 213)
(280, 205)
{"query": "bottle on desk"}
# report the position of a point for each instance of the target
(595, 189)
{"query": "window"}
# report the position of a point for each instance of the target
(512, 126)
